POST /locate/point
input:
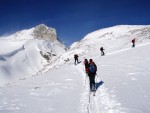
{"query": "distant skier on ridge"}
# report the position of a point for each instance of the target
(102, 51)
(133, 42)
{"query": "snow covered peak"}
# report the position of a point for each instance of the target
(42, 25)
(39, 32)
(28, 51)
(43, 32)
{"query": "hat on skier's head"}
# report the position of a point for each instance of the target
(91, 60)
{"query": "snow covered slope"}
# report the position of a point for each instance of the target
(126, 80)
(23, 54)
(112, 39)
(122, 82)
(122, 87)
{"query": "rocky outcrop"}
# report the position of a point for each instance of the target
(43, 32)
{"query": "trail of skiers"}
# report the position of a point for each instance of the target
(102, 49)
(91, 68)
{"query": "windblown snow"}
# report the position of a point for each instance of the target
(38, 76)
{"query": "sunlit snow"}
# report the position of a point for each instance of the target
(31, 84)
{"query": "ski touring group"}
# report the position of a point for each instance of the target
(91, 68)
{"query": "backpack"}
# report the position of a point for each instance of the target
(75, 56)
(92, 68)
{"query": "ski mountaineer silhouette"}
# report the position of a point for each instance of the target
(102, 51)
(92, 74)
(133, 42)
(76, 59)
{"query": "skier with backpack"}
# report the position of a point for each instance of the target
(133, 42)
(76, 59)
(92, 74)
(102, 51)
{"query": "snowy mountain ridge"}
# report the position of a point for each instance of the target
(40, 32)
(48, 48)
(112, 38)
(28, 51)
(116, 38)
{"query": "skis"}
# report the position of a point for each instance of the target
(93, 90)
(94, 93)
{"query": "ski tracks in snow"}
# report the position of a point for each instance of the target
(102, 102)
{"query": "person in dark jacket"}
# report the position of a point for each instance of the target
(102, 51)
(76, 59)
(92, 74)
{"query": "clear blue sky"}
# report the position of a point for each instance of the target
(72, 19)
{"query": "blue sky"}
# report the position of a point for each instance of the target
(72, 19)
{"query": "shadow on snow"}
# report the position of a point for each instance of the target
(99, 84)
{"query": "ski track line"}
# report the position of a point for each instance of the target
(92, 105)
(80, 68)
(85, 99)
(102, 102)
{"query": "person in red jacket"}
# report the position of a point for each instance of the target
(133, 42)
(86, 64)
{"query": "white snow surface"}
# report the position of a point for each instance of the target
(59, 86)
